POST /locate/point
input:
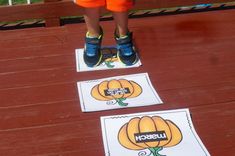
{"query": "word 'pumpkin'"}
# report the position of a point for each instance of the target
(118, 90)
(155, 132)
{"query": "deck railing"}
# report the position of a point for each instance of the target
(10, 2)
(52, 10)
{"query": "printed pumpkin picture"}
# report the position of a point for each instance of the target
(117, 90)
(153, 133)
(110, 57)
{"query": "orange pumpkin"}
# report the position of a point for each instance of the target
(153, 133)
(111, 59)
(117, 90)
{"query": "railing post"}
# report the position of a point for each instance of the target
(10, 2)
(52, 21)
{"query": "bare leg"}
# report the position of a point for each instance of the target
(91, 17)
(121, 21)
(125, 49)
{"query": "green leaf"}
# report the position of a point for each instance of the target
(108, 64)
(120, 101)
(155, 151)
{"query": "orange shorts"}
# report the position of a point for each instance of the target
(112, 5)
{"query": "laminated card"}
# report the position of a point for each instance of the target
(162, 133)
(117, 92)
(109, 61)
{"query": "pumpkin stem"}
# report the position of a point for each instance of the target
(120, 101)
(155, 151)
(108, 64)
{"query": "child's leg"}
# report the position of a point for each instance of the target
(91, 17)
(120, 9)
(126, 51)
(92, 53)
(121, 21)
(92, 50)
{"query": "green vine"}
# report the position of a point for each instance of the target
(155, 151)
(120, 101)
(109, 64)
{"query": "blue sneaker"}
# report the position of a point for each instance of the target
(126, 52)
(92, 53)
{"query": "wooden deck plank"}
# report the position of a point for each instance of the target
(37, 95)
(38, 63)
(183, 29)
(31, 42)
(219, 74)
(193, 67)
(24, 33)
(35, 52)
(69, 136)
(67, 90)
(49, 111)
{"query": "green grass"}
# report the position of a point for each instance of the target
(5, 2)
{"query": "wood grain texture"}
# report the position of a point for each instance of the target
(189, 58)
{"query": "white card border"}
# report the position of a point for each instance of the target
(78, 67)
(185, 110)
(83, 107)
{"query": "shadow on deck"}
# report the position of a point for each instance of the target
(190, 59)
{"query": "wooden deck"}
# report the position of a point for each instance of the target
(190, 59)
